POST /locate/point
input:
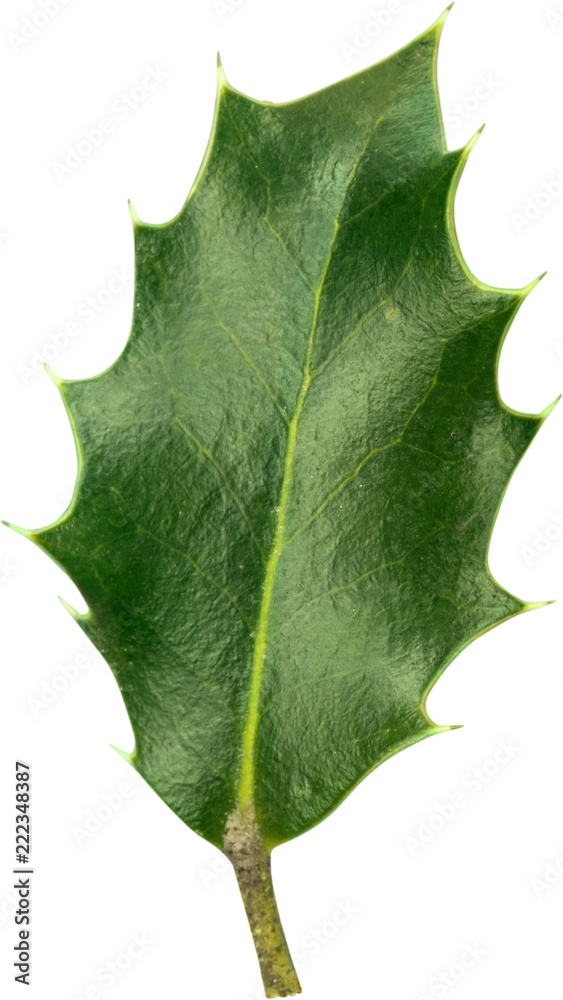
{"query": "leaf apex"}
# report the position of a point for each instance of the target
(439, 24)
(434, 32)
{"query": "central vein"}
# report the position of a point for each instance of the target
(246, 784)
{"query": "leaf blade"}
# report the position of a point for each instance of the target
(267, 382)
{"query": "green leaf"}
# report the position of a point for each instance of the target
(288, 480)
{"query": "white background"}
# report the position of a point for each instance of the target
(404, 916)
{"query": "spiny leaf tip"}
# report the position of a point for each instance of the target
(53, 375)
(439, 23)
(78, 617)
(221, 78)
(549, 408)
(18, 530)
(129, 757)
(133, 214)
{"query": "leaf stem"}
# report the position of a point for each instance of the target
(243, 846)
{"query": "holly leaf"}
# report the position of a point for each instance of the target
(288, 480)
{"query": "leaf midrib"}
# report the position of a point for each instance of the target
(246, 781)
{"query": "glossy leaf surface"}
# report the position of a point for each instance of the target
(289, 478)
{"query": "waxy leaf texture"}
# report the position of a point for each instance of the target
(288, 479)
